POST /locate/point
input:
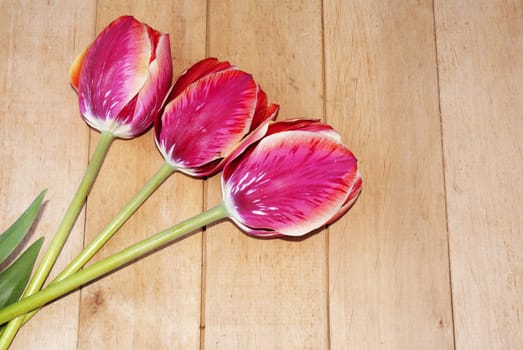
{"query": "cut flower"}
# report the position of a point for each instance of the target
(296, 179)
(123, 77)
(213, 109)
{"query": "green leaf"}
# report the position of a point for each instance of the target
(14, 279)
(12, 237)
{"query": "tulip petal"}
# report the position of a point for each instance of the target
(113, 71)
(261, 109)
(152, 95)
(291, 183)
(272, 112)
(314, 125)
(262, 233)
(212, 115)
(354, 193)
(76, 67)
(197, 71)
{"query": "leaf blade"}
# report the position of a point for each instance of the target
(14, 279)
(12, 237)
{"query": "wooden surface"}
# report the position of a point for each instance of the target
(428, 95)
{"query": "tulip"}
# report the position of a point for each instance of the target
(122, 80)
(296, 179)
(213, 109)
(123, 77)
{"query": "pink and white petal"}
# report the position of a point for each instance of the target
(314, 125)
(197, 71)
(153, 93)
(114, 69)
(292, 182)
(256, 232)
(208, 169)
(351, 199)
(208, 119)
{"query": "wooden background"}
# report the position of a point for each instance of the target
(429, 96)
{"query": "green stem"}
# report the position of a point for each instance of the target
(62, 232)
(112, 263)
(98, 242)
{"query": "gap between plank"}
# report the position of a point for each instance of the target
(443, 169)
(203, 252)
(327, 231)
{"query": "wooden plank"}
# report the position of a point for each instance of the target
(481, 77)
(267, 294)
(388, 268)
(43, 139)
(153, 303)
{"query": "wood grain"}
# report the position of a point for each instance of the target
(388, 282)
(44, 141)
(481, 72)
(426, 93)
(267, 294)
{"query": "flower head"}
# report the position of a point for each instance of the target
(296, 179)
(123, 77)
(213, 109)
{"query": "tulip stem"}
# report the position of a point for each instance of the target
(98, 242)
(112, 263)
(62, 232)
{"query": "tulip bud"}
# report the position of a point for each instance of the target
(297, 178)
(213, 109)
(123, 77)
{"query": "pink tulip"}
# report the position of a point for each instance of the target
(123, 77)
(297, 178)
(213, 109)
